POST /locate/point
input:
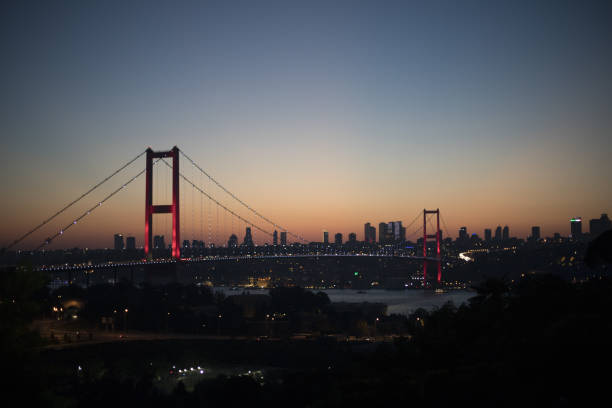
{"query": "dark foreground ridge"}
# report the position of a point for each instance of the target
(538, 341)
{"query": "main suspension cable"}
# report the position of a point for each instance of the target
(240, 201)
(413, 221)
(217, 202)
(446, 230)
(27, 234)
(86, 213)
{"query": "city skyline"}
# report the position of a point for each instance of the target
(199, 226)
(597, 226)
(320, 117)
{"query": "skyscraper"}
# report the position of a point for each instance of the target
(352, 238)
(118, 242)
(338, 239)
(576, 227)
(382, 233)
(159, 242)
(130, 243)
(463, 235)
(369, 233)
(394, 232)
(487, 234)
(325, 237)
(535, 233)
(498, 233)
(233, 241)
(248, 238)
(599, 225)
(506, 233)
(275, 238)
(283, 238)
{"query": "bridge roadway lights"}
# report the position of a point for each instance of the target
(220, 258)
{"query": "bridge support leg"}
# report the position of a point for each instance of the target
(438, 246)
(435, 236)
(424, 247)
(149, 206)
(176, 231)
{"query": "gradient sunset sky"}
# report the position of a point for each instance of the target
(321, 115)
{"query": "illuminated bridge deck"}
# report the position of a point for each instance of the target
(76, 267)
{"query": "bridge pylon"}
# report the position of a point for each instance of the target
(173, 208)
(431, 236)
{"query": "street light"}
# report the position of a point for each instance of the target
(125, 319)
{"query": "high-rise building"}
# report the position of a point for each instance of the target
(506, 233)
(394, 231)
(159, 242)
(119, 242)
(232, 242)
(382, 233)
(338, 239)
(463, 235)
(130, 243)
(325, 237)
(498, 233)
(352, 238)
(599, 225)
(185, 243)
(535, 233)
(283, 238)
(248, 238)
(576, 227)
(369, 233)
(275, 238)
(487, 234)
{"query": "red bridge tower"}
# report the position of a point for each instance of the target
(151, 209)
(437, 237)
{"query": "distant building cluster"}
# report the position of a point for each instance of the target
(119, 244)
(596, 226)
(389, 233)
(599, 225)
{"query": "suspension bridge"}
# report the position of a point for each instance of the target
(165, 165)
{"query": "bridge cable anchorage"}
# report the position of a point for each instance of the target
(242, 202)
(27, 234)
(218, 203)
(86, 213)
